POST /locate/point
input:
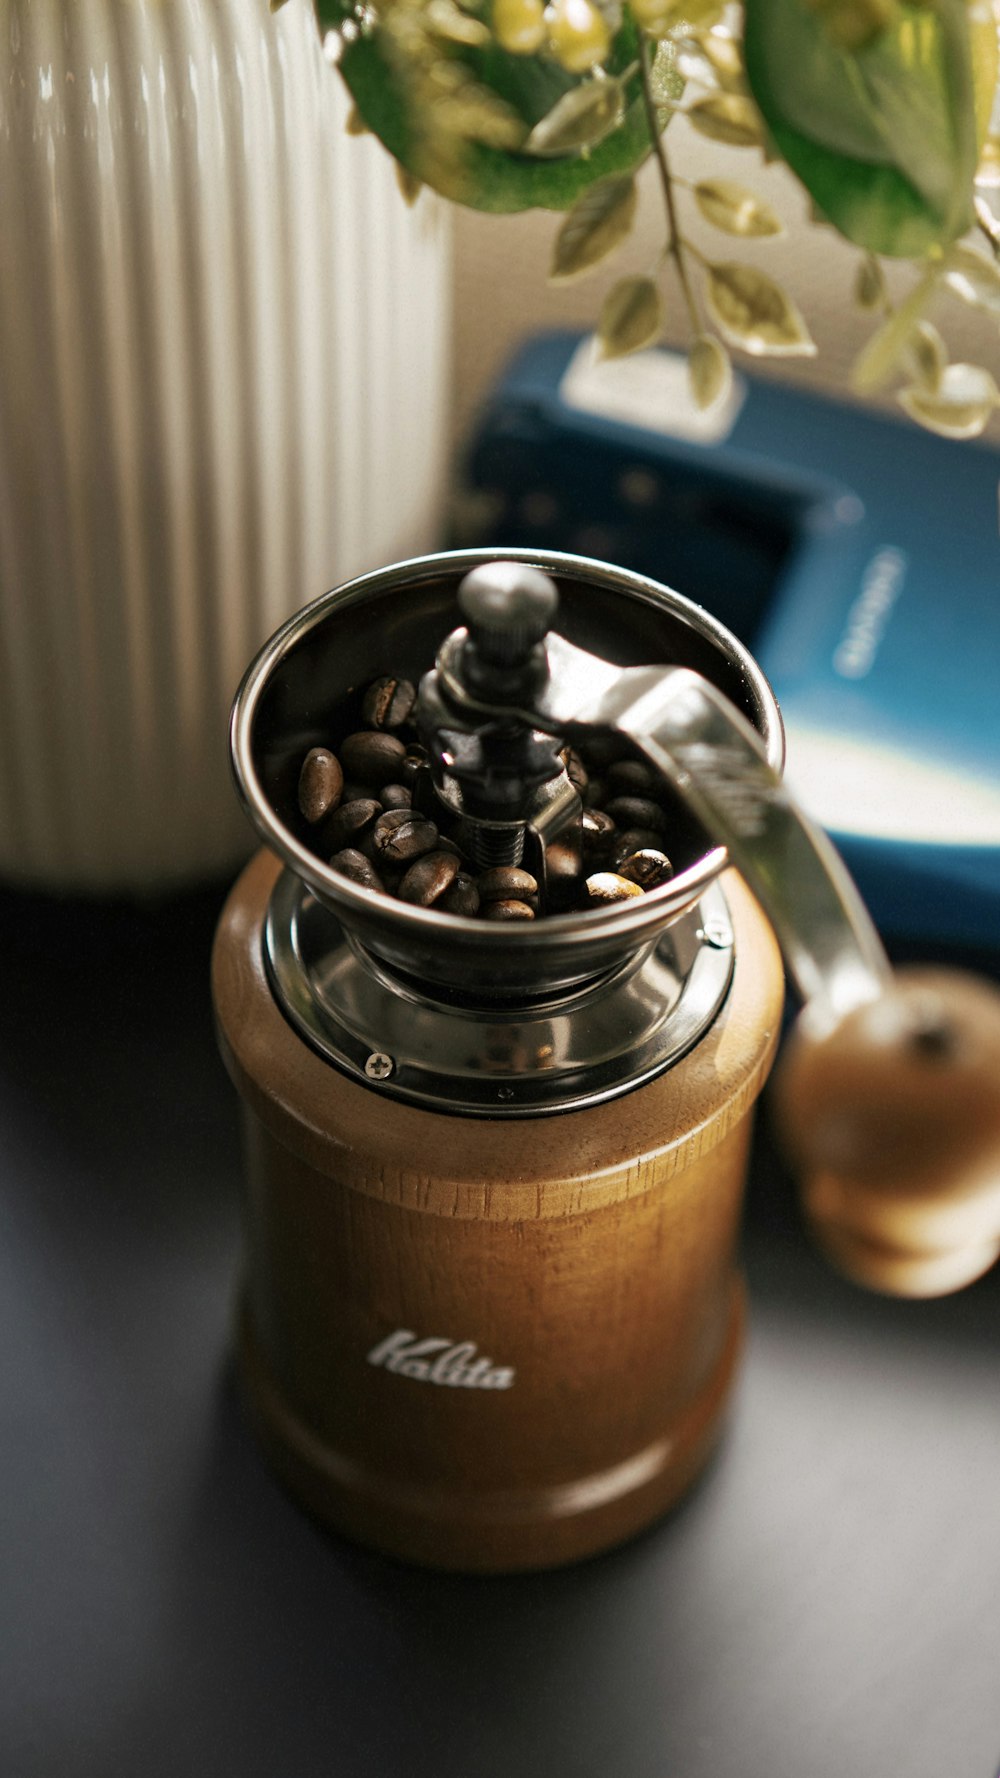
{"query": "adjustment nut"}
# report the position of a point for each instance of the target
(508, 609)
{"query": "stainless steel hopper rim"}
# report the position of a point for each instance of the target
(444, 947)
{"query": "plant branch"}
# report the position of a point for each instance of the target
(675, 246)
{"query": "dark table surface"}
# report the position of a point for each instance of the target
(826, 1604)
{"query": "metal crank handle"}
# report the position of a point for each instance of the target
(888, 1092)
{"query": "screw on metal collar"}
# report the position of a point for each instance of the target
(379, 1066)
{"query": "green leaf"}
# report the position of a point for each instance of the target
(598, 223)
(579, 119)
(883, 351)
(492, 179)
(882, 137)
(753, 312)
(710, 370)
(974, 278)
(727, 117)
(960, 406)
(631, 317)
(734, 209)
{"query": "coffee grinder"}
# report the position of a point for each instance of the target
(491, 1309)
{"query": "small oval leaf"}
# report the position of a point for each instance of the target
(598, 223)
(631, 317)
(880, 355)
(709, 370)
(734, 209)
(755, 313)
(961, 405)
(974, 278)
(727, 117)
(580, 119)
(926, 356)
(869, 285)
(666, 83)
(726, 57)
(446, 20)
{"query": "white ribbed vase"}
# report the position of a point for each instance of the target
(223, 350)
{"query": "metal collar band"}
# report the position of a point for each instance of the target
(559, 1053)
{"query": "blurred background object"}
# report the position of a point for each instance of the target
(855, 555)
(224, 345)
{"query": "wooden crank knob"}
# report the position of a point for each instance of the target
(893, 1118)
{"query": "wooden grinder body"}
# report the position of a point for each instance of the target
(583, 1263)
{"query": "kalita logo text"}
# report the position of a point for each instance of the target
(450, 1364)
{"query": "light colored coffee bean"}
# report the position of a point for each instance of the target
(606, 886)
(649, 868)
(388, 702)
(321, 784)
(505, 881)
(372, 757)
(507, 909)
(353, 864)
(426, 881)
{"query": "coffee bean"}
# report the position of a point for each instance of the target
(649, 868)
(599, 750)
(605, 886)
(562, 863)
(576, 771)
(372, 757)
(597, 832)
(426, 880)
(388, 702)
(359, 869)
(351, 820)
(634, 839)
(462, 897)
(321, 784)
(632, 777)
(507, 909)
(395, 796)
(505, 881)
(637, 811)
(400, 836)
(414, 759)
(363, 795)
